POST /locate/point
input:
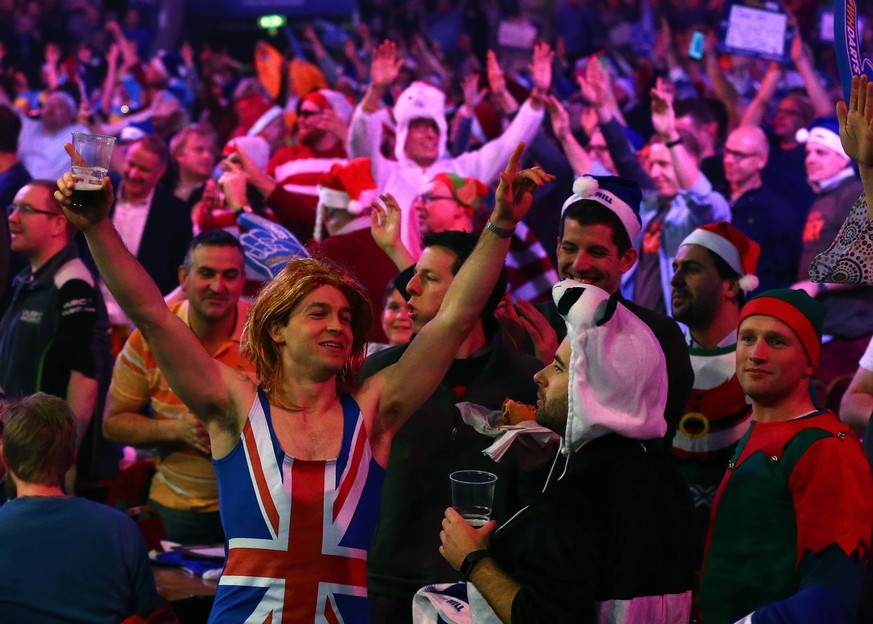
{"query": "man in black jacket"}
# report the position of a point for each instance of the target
(608, 539)
(435, 441)
(598, 223)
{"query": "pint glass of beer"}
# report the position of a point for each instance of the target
(96, 151)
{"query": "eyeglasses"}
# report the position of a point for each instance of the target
(426, 198)
(27, 209)
(306, 114)
(739, 155)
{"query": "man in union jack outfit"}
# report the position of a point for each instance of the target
(300, 458)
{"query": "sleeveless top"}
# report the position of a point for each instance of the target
(297, 531)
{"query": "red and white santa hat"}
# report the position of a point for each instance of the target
(333, 100)
(728, 243)
(349, 186)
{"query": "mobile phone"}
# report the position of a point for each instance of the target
(695, 50)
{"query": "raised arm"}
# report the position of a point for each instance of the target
(856, 131)
(754, 113)
(385, 228)
(664, 122)
(408, 383)
(818, 95)
(580, 159)
(203, 384)
(724, 89)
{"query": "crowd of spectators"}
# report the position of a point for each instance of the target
(420, 103)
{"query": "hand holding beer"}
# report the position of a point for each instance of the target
(86, 193)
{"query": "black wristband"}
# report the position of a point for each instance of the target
(673, 143)
(501, 232)
(470, 562)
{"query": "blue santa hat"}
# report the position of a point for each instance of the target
(824, 131)
(620, 195)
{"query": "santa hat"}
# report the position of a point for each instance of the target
(467, 191)
(824, 131)
(609, 342)
(334, 100)
(728, 243)
(264, 120)
(348, 187)
(803, 314)
(620, 195)
(419, 101)
(255, 147)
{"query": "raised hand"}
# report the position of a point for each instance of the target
(856, 122)
(330, 121)
(472, 94)
(385, 228)
(663, 115)
(386, 222)
(537, 326)
(233, 184)
(52, 54)
(496, 79)
(83, 218)
(515, 192)
(595, 83)
(558, 115)
(541, 68)
(385, 65)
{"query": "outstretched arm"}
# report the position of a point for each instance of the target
(580, 160)
(201, 382)
(664, 121)
(754, 113)
(405, 385)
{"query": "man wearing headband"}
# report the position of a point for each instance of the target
(848, 324)
(599, 221)
(792, 519)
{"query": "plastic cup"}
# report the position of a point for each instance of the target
(473, 495)
(96, 151)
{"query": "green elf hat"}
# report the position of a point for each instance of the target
(803, 314)
(467, 191)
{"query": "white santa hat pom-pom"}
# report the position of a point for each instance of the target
(585, 186)
(748, 283)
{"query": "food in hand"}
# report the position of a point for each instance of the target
(514, 412)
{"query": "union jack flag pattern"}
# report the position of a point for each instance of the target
(297, 531)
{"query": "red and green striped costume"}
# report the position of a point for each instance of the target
(791, 526)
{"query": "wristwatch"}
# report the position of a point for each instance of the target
(470, 562)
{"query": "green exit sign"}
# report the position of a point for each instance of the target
(272, 21)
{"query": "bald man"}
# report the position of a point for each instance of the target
(758, 211)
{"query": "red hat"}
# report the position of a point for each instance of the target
(348, 187)
(334, 100)
(728, 243)
(468, 192)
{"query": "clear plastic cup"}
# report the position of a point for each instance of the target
(473, 495)
(96, 152)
